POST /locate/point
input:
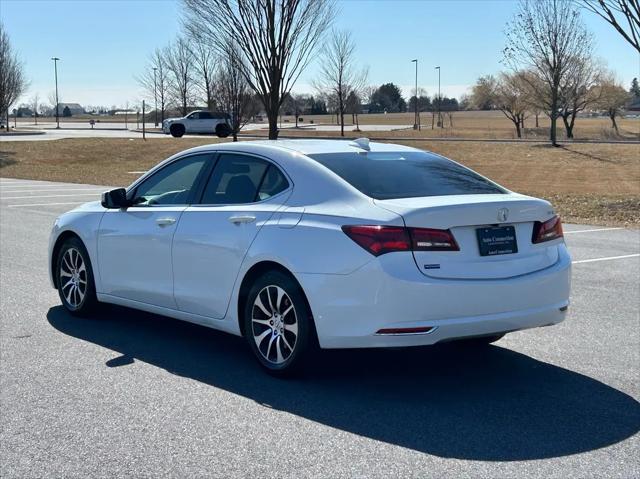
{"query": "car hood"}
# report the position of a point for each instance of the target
(171, 120)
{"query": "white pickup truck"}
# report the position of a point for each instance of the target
(200, 121)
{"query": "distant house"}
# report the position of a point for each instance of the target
(634, 105)
(74, 108)
(23, 112)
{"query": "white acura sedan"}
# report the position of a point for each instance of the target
(339, 244)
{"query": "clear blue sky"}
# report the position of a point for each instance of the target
(103, 44)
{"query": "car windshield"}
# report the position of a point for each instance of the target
(405, 174)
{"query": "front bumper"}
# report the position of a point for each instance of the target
(389, 292)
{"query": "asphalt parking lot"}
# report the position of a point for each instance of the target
(133, 394)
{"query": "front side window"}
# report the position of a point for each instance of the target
(205, 115)
(240, 179)
(172, 185)
(405, 174)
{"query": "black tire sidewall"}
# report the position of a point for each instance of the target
(301, 351)
(89, 302)
(223, 130)
(177, 131)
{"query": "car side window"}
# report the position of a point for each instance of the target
(194, 116)
(205, 115)
(240, 179)
(172, 185)
(273, 183)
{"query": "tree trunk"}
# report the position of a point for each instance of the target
(516, 122)
(235, 135)
(567, 126)
(341, 122)
(554, 113)
(433, 117)
(612, 115)
(537, 124)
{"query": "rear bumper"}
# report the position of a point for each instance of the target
(390, 292)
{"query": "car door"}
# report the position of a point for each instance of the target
(134, 243)
(214, 236)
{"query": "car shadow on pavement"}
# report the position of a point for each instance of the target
(493, 404)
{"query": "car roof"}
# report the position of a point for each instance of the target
(310, 147)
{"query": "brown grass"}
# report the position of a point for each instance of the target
(588, 183)
(469, 124)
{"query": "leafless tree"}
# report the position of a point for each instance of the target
(155, 80)
(34, 104)
(275, 38)
(205, 65)
(623, 15)
(577, 92)
(510, 97)
(295, 103)
(546, 37)
(12, 80)
(353, 105)
(180, 63)
(232, 93)
(338, 73)
(611, 98)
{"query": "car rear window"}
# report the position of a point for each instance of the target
(405, 174)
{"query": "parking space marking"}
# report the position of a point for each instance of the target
(635, 255)
(45, 204)
(46, 196)
(46, 187)
(592, 230)
(27, 192)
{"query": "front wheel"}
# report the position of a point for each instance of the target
(278, 325)
(76, 288)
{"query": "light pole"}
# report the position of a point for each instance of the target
(155, 95)
(439, 99)
(55, 68)
(416, 122)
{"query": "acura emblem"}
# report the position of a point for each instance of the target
(503, 214)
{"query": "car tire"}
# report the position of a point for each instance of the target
(74, 277)
(223, 130)
(177, 131)
(281, 336)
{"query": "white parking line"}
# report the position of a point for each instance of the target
(45, 204)
(592, 230)
(45, 196)
(606, 259)
(12, 187)
(4, 192)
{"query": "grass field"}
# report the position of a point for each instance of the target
(475, 124)
(588, 183)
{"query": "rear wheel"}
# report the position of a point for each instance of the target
(277, 324)
(223, 130)
(76, 287)
(177, 130)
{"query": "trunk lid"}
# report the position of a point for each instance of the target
(463, 215)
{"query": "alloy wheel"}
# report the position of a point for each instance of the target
(275, 324)
(73, 277)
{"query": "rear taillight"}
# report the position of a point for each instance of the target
(379, 240)
(547, 231)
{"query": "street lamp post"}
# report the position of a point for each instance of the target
(439, 100)
(55, 68)
(416, 121)
(155, 95)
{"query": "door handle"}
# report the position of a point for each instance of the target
(242, 219)
(165, 221)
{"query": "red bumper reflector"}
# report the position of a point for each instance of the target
(405, 330)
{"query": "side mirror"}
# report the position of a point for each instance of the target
(115, 199)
